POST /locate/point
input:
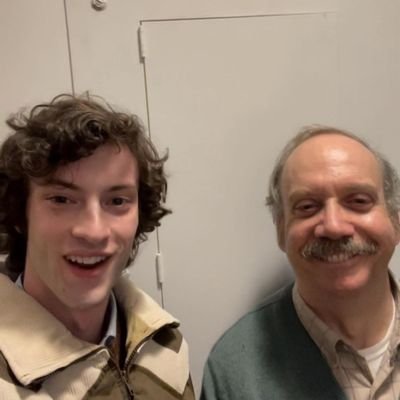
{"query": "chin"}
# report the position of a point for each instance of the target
(91, 299)
(348, 284)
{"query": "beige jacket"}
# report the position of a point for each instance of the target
(41, 360)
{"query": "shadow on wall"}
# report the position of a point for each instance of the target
(281, 275)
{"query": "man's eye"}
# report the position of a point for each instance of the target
(118, 201)
(360, 202)
(59, 199)
(305, 208)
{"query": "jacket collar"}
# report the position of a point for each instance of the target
(32, 341)
(143, 315)
(35, 344)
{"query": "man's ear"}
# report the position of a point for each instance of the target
(397, 227)
(280, 232)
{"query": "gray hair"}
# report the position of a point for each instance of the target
(391, 182)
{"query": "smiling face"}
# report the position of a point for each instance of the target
(81, 227)
(335, 229)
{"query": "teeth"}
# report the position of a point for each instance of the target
(337, 258)
(86, 260)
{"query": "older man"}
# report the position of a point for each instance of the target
(335, 333)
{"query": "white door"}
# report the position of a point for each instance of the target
(224, 95)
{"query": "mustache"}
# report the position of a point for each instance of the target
(323, 248)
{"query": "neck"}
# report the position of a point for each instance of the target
(361, 319)
(84, 323)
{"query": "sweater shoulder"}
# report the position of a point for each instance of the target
(268, 317)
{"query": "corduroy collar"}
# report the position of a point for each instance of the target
(35, 344)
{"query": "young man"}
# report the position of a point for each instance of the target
(80, 187)
(335, 334)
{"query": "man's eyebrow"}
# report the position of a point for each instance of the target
(362, 187)
(72, 186)
(116, 188)
(350, 188)
(59, 182)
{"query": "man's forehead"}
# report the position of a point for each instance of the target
(332, 147)
(333, 156)
(63, 174)
(109, 164)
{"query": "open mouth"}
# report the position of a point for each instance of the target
(86, 262)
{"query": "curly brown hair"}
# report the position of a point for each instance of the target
(64, 130)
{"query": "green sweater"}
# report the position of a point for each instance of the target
(268, 354)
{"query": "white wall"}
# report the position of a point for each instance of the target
(34, 54)
(214, 272)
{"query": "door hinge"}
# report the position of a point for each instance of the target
(142, 45)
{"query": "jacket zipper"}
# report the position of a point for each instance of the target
(122, 372)
(127, 385)
(130, 358)
(144, 340)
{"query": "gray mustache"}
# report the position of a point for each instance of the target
(322, 248)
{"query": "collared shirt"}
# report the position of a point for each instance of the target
(348, 366)
(112, 311)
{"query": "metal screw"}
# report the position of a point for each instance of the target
(99, 5)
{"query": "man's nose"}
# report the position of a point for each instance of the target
(91, 225)
(334, 223)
